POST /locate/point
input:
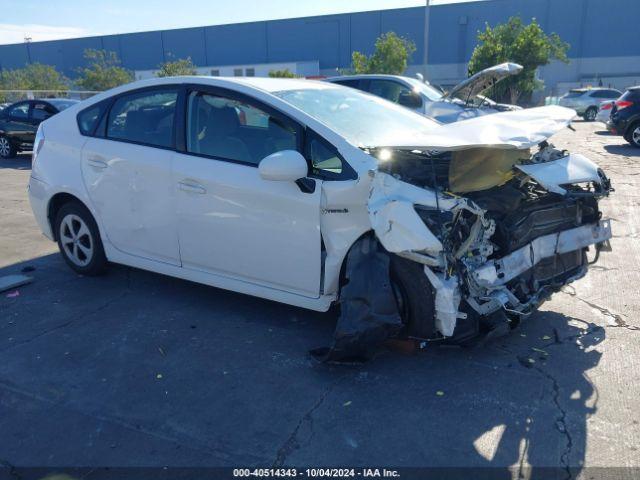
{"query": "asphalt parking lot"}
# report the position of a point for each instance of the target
(138, 369)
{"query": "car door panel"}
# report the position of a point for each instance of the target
(231, 221)
(130, 188)
(19, 127)
(234, 223)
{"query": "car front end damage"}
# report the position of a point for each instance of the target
(495, 231)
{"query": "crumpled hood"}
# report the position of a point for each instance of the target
(483, 80)
(518, 129)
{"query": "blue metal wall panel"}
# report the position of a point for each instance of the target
(330, 39)
(408, 23)
(141, 51)
(183, 43)
(13, 56)
(300, 39)
(365, 28)
(235, 44)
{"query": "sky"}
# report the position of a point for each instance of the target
(55, 19)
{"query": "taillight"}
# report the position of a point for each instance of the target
(38, 143)
(606, 106)
(623, 104)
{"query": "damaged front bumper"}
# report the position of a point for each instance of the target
(491, 281)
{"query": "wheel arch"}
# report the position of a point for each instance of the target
(55, 204)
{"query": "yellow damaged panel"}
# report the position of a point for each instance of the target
(482, 168)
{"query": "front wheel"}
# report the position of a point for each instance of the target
(414, 296)
(7, 150)
(590, 114)
(79, 240)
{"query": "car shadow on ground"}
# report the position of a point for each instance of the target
(604, 133)
(625, 149)
(22, 161)
(211, 370)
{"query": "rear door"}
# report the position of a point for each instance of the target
(126, 167)
(231, 222)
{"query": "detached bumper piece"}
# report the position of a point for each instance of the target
(368, 309)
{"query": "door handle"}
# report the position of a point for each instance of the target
(191, 187)
(97, 163)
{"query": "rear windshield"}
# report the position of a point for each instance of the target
(574, 93)
(633, 93)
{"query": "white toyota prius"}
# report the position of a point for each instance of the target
(310, 193)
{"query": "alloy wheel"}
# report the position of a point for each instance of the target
(635, 136)
(76, 240)
(591, 115)
(5, 147)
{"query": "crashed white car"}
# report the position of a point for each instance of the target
(310, 193)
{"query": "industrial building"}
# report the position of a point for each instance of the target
(603, 35)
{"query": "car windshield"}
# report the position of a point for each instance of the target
(428, 91)
(363, 120)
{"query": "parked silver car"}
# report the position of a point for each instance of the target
(461, 102)
(586, 101)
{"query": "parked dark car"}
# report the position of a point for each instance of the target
(19, 123)
(625, 116)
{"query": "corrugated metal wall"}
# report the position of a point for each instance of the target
(594, 28)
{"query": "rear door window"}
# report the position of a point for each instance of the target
(41, 111)
(145, 117)
(353, 83)
(388, 89)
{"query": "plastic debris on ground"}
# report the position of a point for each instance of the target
(9, 282)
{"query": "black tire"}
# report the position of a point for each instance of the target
(7, 149)
(633, 135)
(79, 239)
(415, 296)
(591, 114)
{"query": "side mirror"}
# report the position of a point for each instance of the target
(286, 165)
(410, 100)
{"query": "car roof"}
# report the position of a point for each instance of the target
(369, 75)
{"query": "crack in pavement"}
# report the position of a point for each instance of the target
(102, 307)
(561, 423)
(291, 442)
(185, 441)
(617, 318)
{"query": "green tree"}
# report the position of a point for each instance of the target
(182, 66)
(34, 76)
(102, 72)
(282, 74)
(391, 56)
(516, 42)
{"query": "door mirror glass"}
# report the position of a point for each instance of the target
(410, 100)
(286, 165)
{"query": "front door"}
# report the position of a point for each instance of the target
(231, 222)
(19, 125)
(127, 173)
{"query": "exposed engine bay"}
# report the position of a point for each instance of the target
(495, 231)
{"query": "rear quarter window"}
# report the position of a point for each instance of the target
(89, 117)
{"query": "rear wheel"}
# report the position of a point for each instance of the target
(7, 150)
(590, 114)
(633, 137)
(79, 240)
